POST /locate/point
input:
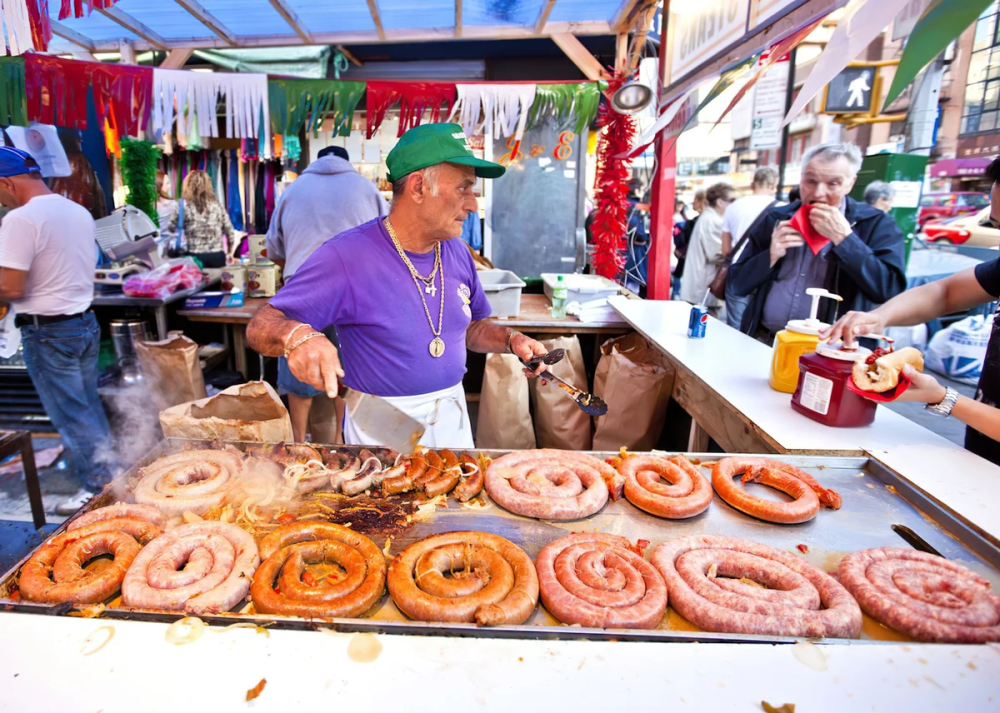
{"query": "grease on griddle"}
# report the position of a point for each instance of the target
(365, 513)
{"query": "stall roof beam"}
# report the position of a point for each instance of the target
(543, 16)
(478, 32)
(580, 55)
(292, 19)
(208, 20)
(377, 19)
(177, 58)
(73, 36)
(623, 18)
(134, 26)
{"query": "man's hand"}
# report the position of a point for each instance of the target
(317, 363)
(924, 389)
(527, 349)
(829, 222)
(783, 238)
(853, 325)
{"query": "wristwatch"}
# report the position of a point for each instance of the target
(947, 403)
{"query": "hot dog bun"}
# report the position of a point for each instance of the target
(883, 375)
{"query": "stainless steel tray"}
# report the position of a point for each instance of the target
(879, 509)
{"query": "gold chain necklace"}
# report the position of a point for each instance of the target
(436, 347)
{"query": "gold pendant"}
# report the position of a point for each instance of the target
(436, 347)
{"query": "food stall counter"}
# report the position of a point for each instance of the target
(137, 669)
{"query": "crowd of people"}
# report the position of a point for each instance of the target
(855, 250)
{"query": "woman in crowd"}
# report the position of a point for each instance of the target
(704, 252)
(205, 222)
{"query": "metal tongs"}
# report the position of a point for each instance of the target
(588, 403)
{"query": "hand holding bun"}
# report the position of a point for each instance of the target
(881, 373)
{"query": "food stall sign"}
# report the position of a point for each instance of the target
(763, 11)
(702, 30)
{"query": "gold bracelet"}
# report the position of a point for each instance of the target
(510, 338)
(296, 328)
(311, 335)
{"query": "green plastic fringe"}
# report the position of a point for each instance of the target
(139, 174)
(562, 104)
(13, 103)
(305, 103)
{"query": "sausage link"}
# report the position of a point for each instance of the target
(290, 548)
(688, 493)
(703, 574)
(472, 482)
(464, 577)
(808, 493)
(549, 484)
(595, 580)
(922, 595)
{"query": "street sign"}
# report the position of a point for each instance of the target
(851, 91)
(769, 105)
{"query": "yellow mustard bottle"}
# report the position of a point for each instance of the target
(800, 336)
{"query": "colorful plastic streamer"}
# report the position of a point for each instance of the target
(13, 106)
(56, 92)
(413, 99)
(74, 8)
(567, 106)
(298, 103)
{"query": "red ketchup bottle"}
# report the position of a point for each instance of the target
(822, 393)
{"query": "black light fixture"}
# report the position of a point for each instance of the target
(631, 97)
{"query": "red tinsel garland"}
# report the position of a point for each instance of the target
(413, 98)
(56, 91)
(610, 223)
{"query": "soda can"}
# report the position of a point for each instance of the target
(697, 322)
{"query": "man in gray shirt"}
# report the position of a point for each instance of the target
(859, 255)
(329, 198)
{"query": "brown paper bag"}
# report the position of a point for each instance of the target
(172, 370)
(504, 414)
(635, 380)
(245, 412)
(559, 422)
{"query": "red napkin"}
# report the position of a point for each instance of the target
(885, 396)
(800, 221)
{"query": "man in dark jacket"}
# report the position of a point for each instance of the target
(857, 254)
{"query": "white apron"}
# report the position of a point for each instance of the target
(444, 414)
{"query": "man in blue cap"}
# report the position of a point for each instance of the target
(47, 262)
(403, 293)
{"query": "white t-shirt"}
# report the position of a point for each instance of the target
(52, 239)
(740, 215)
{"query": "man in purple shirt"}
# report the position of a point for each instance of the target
(403, 294)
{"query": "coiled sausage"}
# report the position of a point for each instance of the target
(595, 580)
(199, 568)
(703, 574)
(687, 494)
(492, 581)
(549, 484)
(922, 595)
(808, 493)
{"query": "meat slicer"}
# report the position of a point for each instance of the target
(129, 239)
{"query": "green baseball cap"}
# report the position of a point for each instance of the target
(431, 144)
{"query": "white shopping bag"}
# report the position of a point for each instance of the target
(10, 335)
(959, 350)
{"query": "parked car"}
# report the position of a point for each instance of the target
(935, 206)
(974, 230)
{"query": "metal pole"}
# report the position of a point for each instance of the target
(789, 94)
(664, 184)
